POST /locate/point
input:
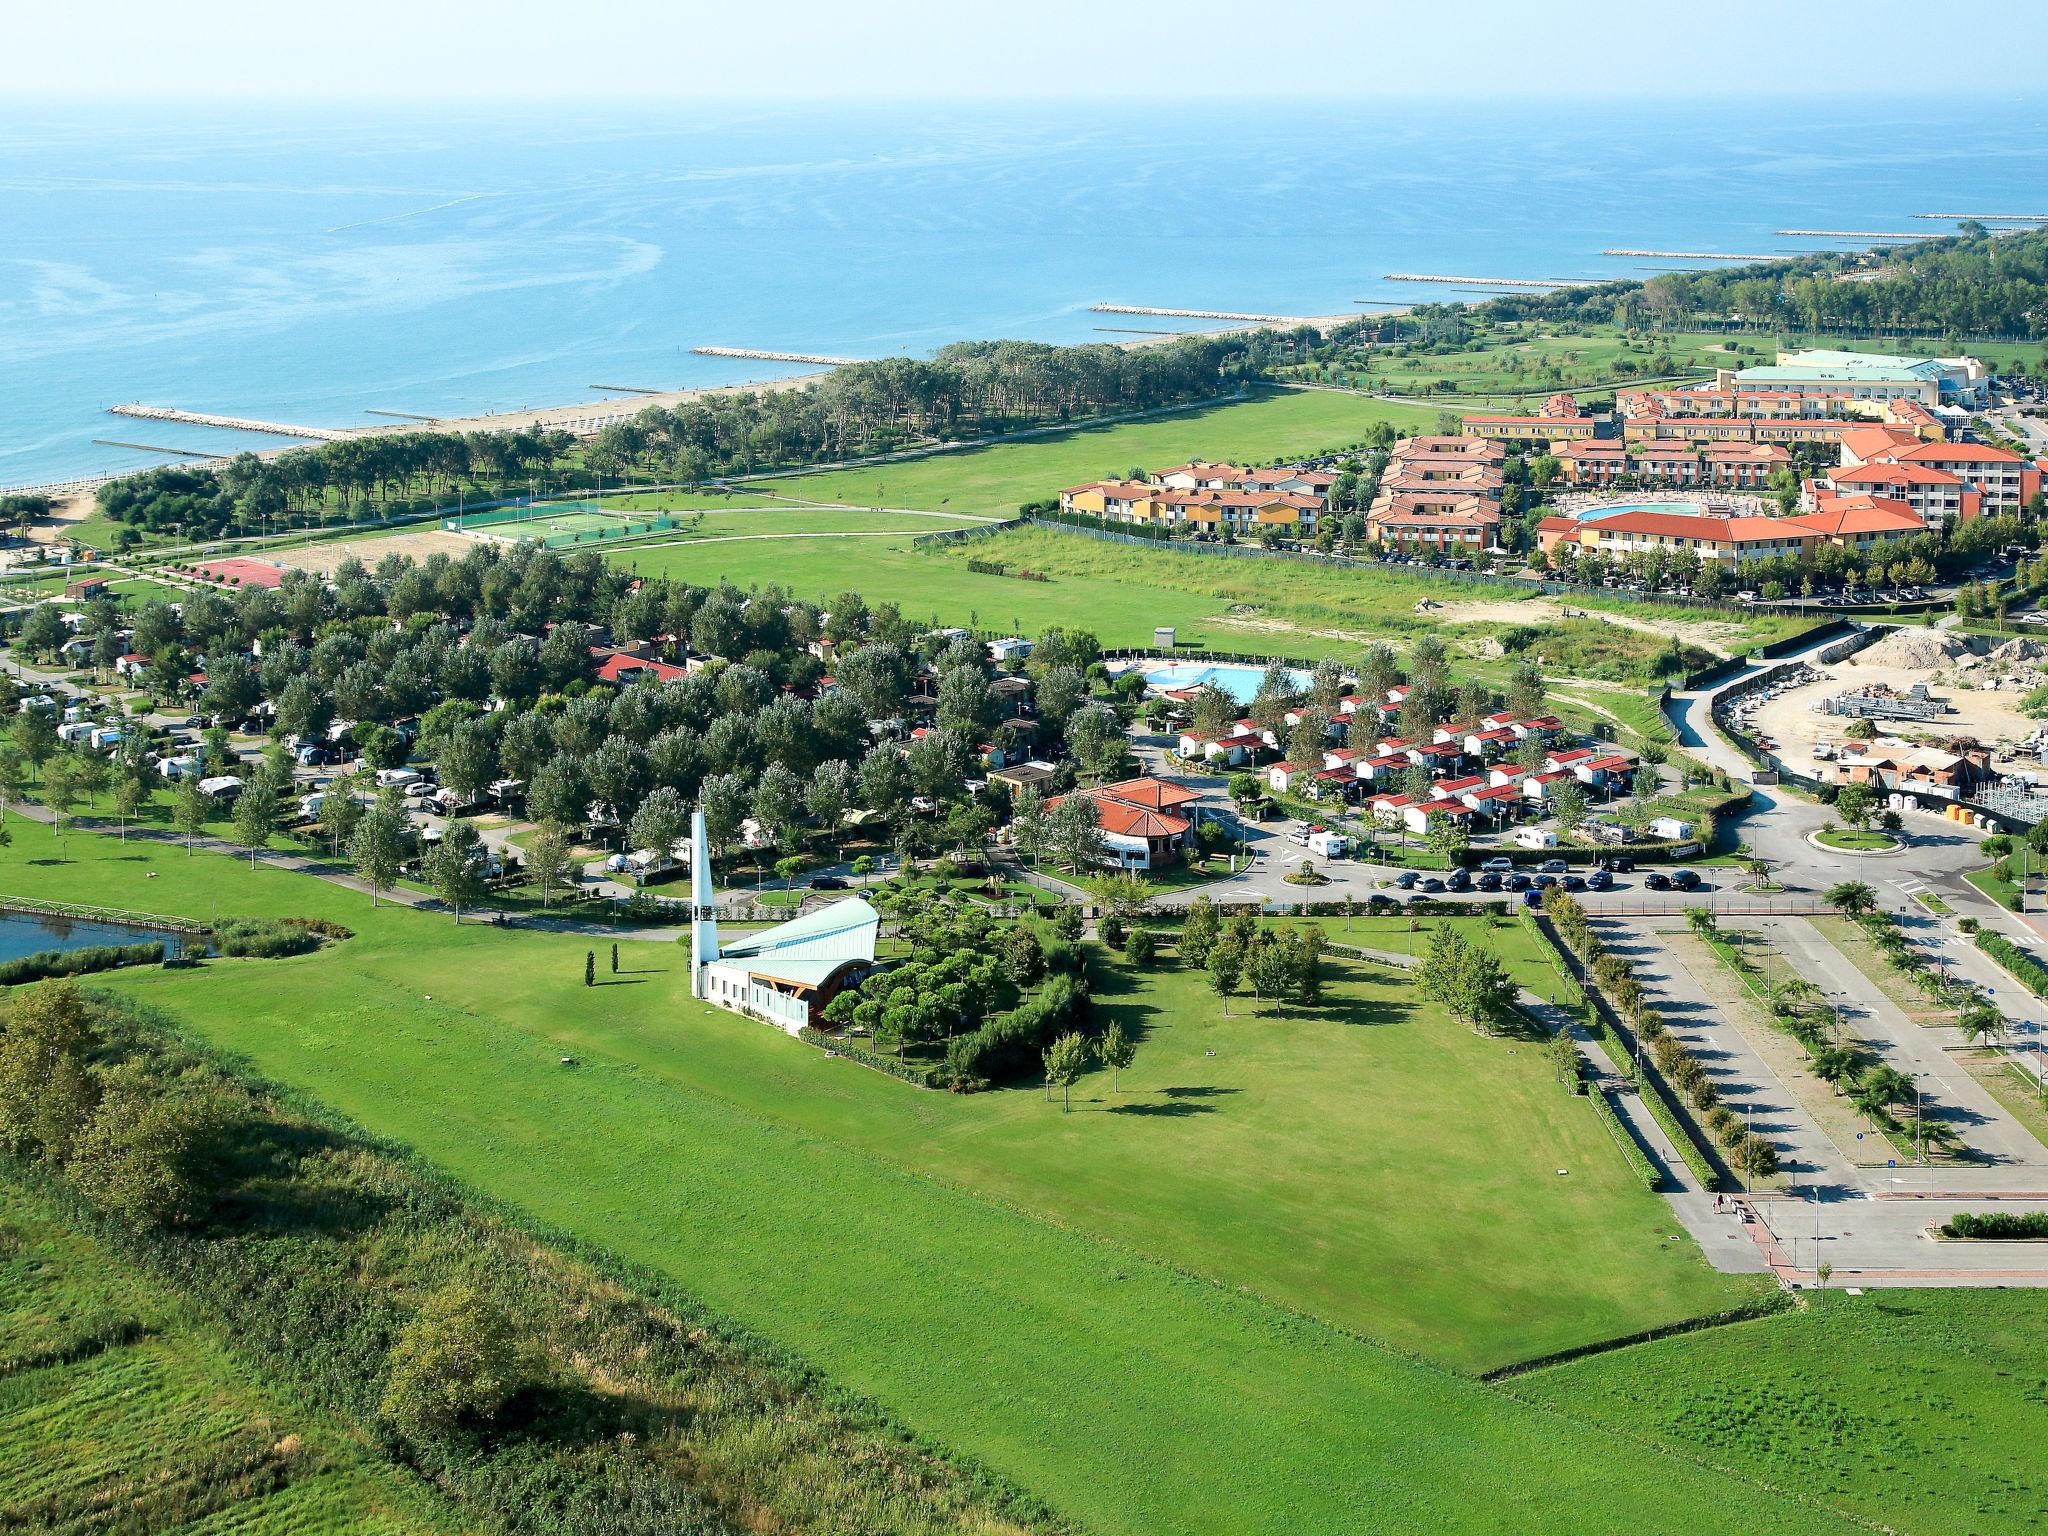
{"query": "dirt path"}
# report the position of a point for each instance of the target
(1710, 635)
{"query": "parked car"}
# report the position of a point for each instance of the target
(1498, 866)
(1515, 880)
(1458, 880)
(827, 883)
(1488, 881)
(1657, 881)
(1433, 885)
(1406, 879)
(1686, 880)
(1532, 898)
(1572, 882)
(1599, 880)
(1552, 867)
(1543, 882)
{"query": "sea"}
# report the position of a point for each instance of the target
(316, 265)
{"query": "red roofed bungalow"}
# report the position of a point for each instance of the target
(623, 668)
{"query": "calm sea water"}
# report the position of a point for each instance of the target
(308, 267)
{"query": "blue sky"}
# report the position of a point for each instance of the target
(1102, 52)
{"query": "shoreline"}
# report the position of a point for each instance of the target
(75, 500)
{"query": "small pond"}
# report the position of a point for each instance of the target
(29, 933)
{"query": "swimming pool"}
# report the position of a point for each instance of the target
(1240, 682)
(1675, 508)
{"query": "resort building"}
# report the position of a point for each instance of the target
(1930, 381)
(1729, 540)
(1943, 482)
(785, 975)
(1141, 824)
(1447, 523)
(1530, 429)
(1861, 522)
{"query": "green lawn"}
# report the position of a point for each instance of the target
(1121, 593)
(1917, 1409)
(1273, 424)
(113, 1400)
(1031, 1288)
(1856, 839)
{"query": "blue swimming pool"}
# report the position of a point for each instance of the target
(1240, 682)
(1675, 508)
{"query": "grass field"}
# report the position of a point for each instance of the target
(1914, 1408)
(1122, 592)
(118, 1413)
(978, 1265)
(1272, 424)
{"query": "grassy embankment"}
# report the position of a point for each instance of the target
(980, 1265)
(1908, 1408)
(119, 1412)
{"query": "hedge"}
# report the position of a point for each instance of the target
(2020, 965)
(45, 963)
(922, 1077)
(1631, 1154)
(265, 938)
(2027, 1225)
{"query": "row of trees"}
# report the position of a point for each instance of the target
(1971, 283)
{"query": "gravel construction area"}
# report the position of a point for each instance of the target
(1990, 715)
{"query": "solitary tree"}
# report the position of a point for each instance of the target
(190, 808)
(130, 795)
(378, 847)
(60, 790)
(548, 859)
(1065, 1059)
(458, 1362)
(1226, 968)
(455, 869)
(256, 816)
(590, 967)
(1118, 1050)
(1852, 897)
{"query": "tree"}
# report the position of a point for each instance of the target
(1097, 737)
(1851, 897)
(190, 808)
(377, 848)
(47, 1088)
(1568, 803)
(93, 773)
(1755, 1156)
(1701, 921)
(1854, 803)
(1199, 928)
(1226, 967)
(590, 967)
(256, 817)
(340, 813)
(130, 796)
(455, 867)
(1065, 1060)
(1141, 947)
(1029, 825)
(549, 859)
(457, 1363)
(662, 822)
(148, 1156)
(60, 790)
(1075, 832)
(1118, 1048)
(34, 736)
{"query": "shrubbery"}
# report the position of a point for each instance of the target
(2023, 967)
(265, 938)
(1997, 1224)
(47, 963)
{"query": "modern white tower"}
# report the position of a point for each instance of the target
(703, 924)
